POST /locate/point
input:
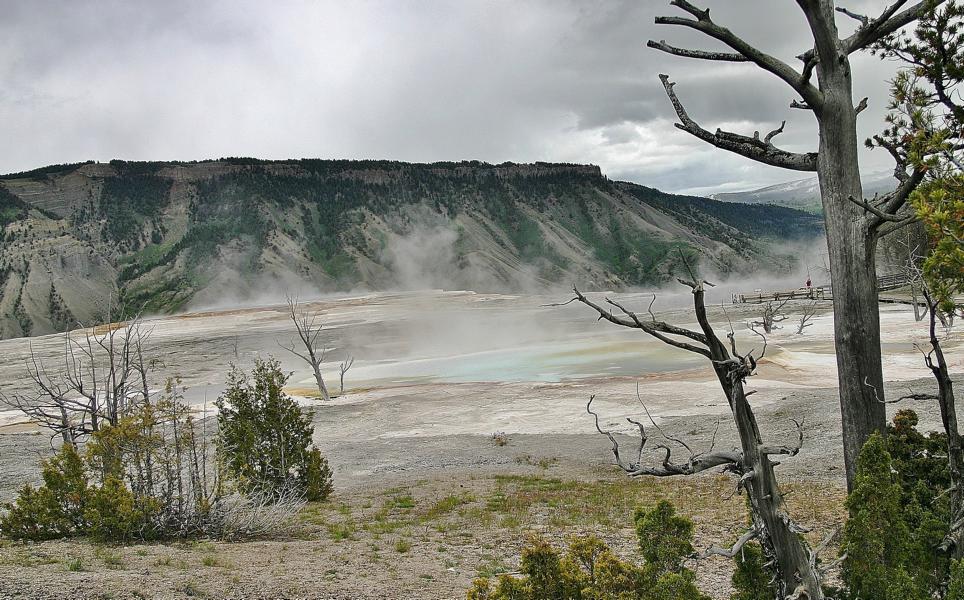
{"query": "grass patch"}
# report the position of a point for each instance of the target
(492, 567)
(164, 561)
(402, 545)
(75, 564)
(403, 502)
(342, 531)
(447, 504)
(543, 462)
(111, 558)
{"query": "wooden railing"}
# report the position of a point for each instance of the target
(821, 292)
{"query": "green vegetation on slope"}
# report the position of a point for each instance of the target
(337, 224)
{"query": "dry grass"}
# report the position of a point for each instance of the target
(428, 539)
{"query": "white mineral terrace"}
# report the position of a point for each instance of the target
(438, 363)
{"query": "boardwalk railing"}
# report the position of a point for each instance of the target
(822, 292)
(761, 296)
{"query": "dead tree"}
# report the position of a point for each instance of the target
(772, 314)
(793, 564)
(915, 279)
(937, 363)
(809, 311)
(343, 368)
(309, 330)
(102, 373)
(853, 225)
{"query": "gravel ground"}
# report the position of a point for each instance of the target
(439, 564)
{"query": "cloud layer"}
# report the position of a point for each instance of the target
(407, 80)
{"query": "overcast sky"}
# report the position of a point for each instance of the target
(407, 80)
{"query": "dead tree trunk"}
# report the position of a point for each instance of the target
(851, 234)
(790, 559)
(343, 368)
(771, 316)
(309, 330)
(935, 361)
(809, 311)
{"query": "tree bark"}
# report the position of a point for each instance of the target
(322, 388)
(851, 244)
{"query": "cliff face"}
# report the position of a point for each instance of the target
(161, 237)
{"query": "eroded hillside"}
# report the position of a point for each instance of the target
(160, 237)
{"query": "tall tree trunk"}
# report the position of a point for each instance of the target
(852, 247)
(851, 235)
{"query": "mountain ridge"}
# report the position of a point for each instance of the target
(804, 194)
(163, 236)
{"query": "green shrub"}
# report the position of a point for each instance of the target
(955, 587)
(591, 571)
(116, 515)
(142, 478)
(875, 537)
(265, 438)
(664, 538)
(318, 483)
(56, 509)
(750, 580)
(898, 515)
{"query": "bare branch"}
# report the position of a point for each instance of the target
(867, 206)
(698, 54)
(704, 24)
(660, 429)
(889, 228)
(885, 24)
(736, 549)
(787, 450)
(656, 329)
(774, 133)
(753, 148)
(864, 20)
(668, 468)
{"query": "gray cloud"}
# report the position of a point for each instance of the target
(419, 81)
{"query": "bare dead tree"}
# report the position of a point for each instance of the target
(343, 368)
(791, 561)
(102, 372)
(309, 330)
(937, 363)
(772, 314)
(915, 278)
(809, 311)
(853, 225)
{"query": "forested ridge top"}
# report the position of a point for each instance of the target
(308, 166)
